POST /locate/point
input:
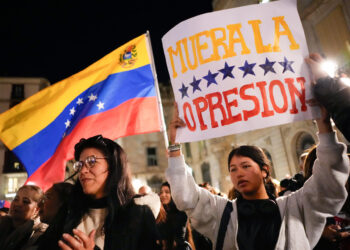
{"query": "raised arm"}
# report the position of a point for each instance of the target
(324, 192)
(203, 208)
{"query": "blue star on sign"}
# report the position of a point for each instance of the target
(268, 66)
(227, 71)
(247, 68)
(183, 91)
(195, 84)
(287, 65)
(211, 78)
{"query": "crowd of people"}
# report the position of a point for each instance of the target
(101, 210)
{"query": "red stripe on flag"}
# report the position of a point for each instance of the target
(135, 116)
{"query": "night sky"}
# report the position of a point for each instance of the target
(56, 39)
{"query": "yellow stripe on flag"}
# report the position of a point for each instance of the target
(35, 113)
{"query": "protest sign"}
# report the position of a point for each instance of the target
(238, 70)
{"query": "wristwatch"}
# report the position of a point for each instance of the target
(174, 147)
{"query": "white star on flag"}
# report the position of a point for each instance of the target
(100, 105)
(72, 111)
(80, 101)
(92, 97)
(67, 123)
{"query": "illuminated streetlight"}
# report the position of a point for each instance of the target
(329, 67)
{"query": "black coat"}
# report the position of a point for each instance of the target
(134, 228)
(334, 95)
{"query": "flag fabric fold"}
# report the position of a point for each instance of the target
(115, 97)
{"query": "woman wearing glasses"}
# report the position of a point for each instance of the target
(102, 212)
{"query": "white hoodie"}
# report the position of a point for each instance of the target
(303, 212)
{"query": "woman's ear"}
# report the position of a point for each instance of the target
(265, 171)
(36, 212)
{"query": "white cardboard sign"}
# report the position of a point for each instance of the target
(238, 70)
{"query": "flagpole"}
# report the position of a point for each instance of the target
(160, 107)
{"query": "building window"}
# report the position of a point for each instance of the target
(205, 167)
(12, 186)
(304, 142)
(17, 94)
(12, 163)
(152, 156)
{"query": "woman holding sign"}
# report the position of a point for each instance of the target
(255, 220)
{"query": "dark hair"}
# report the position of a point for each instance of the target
(119, 180)
(5, 209)
(165, 184)
(253, 152)
(118, 189)
(171, 220)
(309, 162)
(63, 189)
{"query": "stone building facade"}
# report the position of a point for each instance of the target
(12, 91)
(326, 24)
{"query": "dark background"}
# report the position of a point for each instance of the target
(56, 39)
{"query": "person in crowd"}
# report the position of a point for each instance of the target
(4, 211)
(22, 227)
(53, 211)
(332, 236)
(53, 201)
(145, 196)
(175, 232)
(333, 94)
(102, 212)
(200, 241)
(256, 220)
(144, 190)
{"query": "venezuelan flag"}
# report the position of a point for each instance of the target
(115, 97)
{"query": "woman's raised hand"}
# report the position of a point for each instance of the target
(176, 122)
(80, 241)
(314, 61)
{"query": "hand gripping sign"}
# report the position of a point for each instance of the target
(238, 70)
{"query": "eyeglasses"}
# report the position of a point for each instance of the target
(90, 162)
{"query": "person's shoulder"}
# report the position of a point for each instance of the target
(137, 207)
(5, 222)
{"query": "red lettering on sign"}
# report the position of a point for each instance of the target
(294, 91)
(199, 110)
(231, 118)
(188, 107)
(216, 105)
(267, 112)
(284, 95)
(249, 113)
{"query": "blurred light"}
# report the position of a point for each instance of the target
(31, 183)
(264, 1)
(329, 67)
(10, 195)
(136, 183)
(345, 80)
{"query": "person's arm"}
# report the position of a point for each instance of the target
(80, 241)
(324, 193)
(203, 208)
(332, 93)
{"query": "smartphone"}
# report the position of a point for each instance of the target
(345, 229)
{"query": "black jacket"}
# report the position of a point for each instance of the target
(334, 95)
(134, 228)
